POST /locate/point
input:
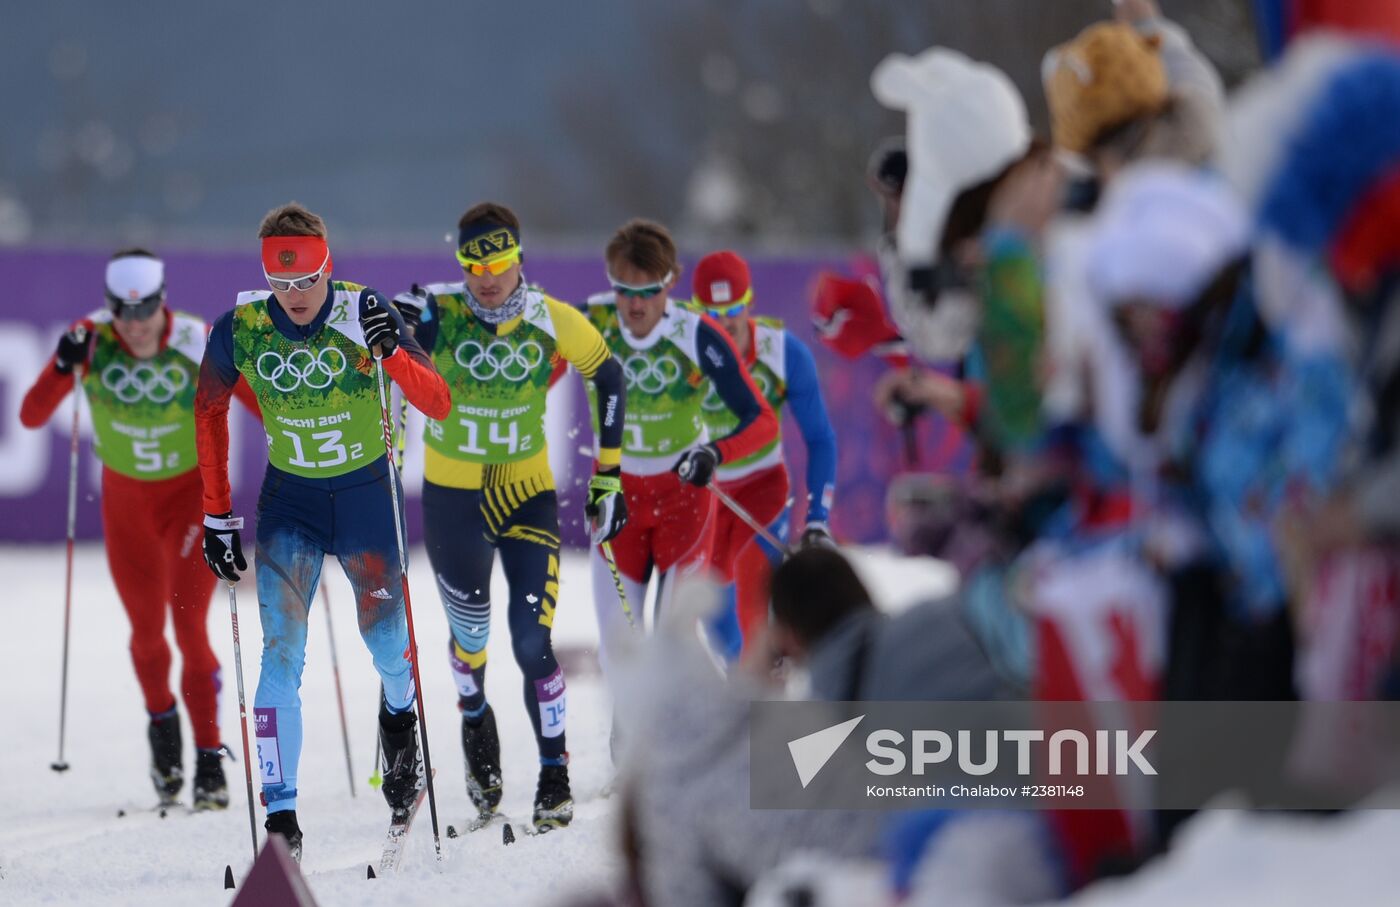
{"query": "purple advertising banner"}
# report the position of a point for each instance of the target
(45, 290)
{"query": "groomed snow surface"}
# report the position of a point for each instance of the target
(62, 841)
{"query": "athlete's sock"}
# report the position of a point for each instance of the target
(725, 636)
(469, 673)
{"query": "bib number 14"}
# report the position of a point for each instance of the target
(502, 434)
(333, 452)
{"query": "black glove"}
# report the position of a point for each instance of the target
(411, 306)
(72, 349)
(222, 548)
(902, 412)
(606, 507)
(697, 465)
(816, 535)
(378, 323)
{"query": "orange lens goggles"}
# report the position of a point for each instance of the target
(496, 266)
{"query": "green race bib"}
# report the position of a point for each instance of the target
(143, 409)
(319, 399)
(665, 385)
(769, 373)
(499, 383)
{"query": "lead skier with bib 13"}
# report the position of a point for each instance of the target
(307, 348)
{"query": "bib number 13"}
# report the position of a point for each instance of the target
(333, 452)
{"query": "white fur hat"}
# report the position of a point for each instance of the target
(966, 123)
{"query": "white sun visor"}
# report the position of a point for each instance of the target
(133, 278)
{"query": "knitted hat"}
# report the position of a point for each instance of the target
(1333, 188)
(721, 279)
(1108, 75)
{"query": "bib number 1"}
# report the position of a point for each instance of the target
(635, 440)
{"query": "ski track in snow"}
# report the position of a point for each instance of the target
(61, 841)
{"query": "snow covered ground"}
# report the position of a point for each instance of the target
(61, 841)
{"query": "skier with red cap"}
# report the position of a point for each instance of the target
(783, 369)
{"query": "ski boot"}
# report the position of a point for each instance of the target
(482, 748)
(210, 786)
(554, 803)
(284, 823)
(166, 773)
(402, 764)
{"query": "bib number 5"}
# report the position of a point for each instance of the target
(149, 459)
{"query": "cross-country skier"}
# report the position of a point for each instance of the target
(139, 362)
(671, 357)
(783, 368)
(488, 487)
(306, 349)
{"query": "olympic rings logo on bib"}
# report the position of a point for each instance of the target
(315, 370)
(157, 384)
(713, 403)
(650, 376)
(499, 358)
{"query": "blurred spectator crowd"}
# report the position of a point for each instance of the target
(1171, 331)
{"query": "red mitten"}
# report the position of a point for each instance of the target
(850, 319)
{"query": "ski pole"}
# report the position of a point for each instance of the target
(376, 780)
(754, 524)
(339, 695)
(388, 427)
(617, 581)
(612, 563)
(61, 765)
(402, 439)
(243, 711)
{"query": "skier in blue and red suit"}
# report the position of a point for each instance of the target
(307, 349)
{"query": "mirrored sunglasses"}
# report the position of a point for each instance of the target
(639, 292)
(496, 266)
(282, 285)
(725, 311)
(137, 309)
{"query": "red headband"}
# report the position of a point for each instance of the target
(295, 254)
